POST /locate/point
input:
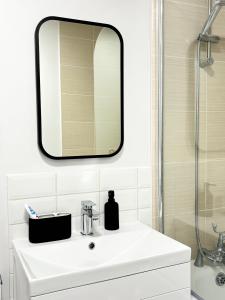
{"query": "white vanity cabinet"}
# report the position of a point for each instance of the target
(134, 263)
(171, 283)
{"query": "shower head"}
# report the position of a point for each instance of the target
(214, 12)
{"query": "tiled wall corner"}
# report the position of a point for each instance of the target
(145, 198)
(144, 177)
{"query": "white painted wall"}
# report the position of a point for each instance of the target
(49, 53)
(18, 129)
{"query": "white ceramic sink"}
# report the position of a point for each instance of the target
(133, 249)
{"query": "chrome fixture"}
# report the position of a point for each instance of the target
(212, 16)
(205, 35)
(88, 215)
(209, 38)
(217, 255)
(160, 9)
(199, 260)
(220, 279)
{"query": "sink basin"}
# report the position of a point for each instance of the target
(83, 260)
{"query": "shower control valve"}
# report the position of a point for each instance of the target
(221, 239)
(214, 226)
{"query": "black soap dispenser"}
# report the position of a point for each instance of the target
(111, 213)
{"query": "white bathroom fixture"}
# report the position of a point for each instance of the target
(135, 262)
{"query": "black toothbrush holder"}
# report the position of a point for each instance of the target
(49, 228)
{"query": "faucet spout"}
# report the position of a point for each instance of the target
(217, 255)
(88, 215)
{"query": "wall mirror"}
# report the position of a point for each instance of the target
(79, 69)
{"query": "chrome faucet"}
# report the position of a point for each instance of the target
(217, 255)
(88, 215)
(221, 238)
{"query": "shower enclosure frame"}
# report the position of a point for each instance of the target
(160, 116)
(160, 45)
(160, 100)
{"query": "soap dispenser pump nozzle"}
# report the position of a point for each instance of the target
(111, 195)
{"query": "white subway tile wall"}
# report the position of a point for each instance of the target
(32, 185)
(124, 178)
(64, 191)
(79, 181)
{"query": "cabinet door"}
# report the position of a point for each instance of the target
(122, 294)
(178, 295)
(134, 287)
(100, 291)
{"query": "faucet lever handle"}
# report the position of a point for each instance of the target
(214, 226)
(95, 215)
(87, 204)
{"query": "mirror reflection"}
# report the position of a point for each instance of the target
(80, 89)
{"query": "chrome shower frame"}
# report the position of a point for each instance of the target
(199, 259)
(217, 255)
(213, 11)
(160, 9)
(206, 37)
(160, 15)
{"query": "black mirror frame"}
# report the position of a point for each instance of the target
(38, 87)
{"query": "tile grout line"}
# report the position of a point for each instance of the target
(187, 3)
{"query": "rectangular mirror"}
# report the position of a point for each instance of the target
(79, 88)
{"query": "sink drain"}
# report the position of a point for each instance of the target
(91, 246)
(220, 279)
